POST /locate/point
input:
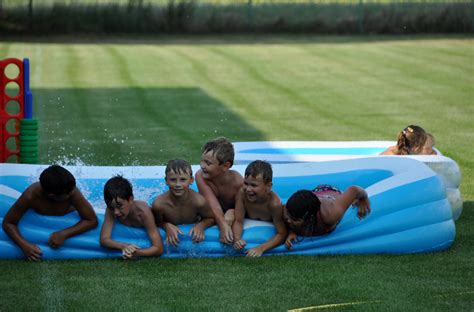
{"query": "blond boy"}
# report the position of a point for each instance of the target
(181, 205)
(219, 184)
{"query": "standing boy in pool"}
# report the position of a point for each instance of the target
(118, 195)
(219, 184)
(55, 194)
(257, 200)
(181, 205)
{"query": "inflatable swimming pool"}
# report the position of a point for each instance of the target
(410, 211)
(316, 151)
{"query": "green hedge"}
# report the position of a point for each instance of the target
(194, 17)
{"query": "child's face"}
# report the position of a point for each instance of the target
(428, 147)
(293, 223)
(210, 166)
(255, 188)
(121, 207)
(178, 182)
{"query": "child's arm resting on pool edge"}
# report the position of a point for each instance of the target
(225, 230)
(278, 238)
(156, 248)
(131, 250)
(207, 220)
(88, 220)
(238, 225)
(106, 233)
(10, 226)
(354, 195)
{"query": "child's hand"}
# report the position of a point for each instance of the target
(129, 251)
(172, 234)
(229, 216)
(238, 245)
(226, 235)
(363, 207)
(254, 252)
(32, 252)
(197, 233)
(289, 240)
(56, 240)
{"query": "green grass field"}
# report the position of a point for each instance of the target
(143, 102)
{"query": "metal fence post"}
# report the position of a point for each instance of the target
(250, 14)
(30, 15)
(361, 16)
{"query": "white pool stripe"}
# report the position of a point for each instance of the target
(9, 192)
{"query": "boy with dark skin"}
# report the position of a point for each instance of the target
(181, 205)
(118, 196)
(259, 202)
(219, 184)
(55, 194)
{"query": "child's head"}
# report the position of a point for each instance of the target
(260, 167)
(411, 140)
(118, 196)
(220, 148)
(57, 182)
(301, 211)
(428, 147)
(178, 176)
(258, 180)
(178, 166)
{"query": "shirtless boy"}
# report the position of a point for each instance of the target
(219, 184)
(257, 201)
(55, 194)
(181, 205)
(118, 195)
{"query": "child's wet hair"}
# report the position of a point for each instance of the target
(304, 205)
(410, 139)
(178, 166)
(117, 187)
(222, 149)
(260, 167)
(57, 180)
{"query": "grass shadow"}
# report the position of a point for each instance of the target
(132, 126)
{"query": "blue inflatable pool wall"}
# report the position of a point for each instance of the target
(410, 210)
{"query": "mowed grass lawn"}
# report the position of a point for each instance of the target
(143, 102)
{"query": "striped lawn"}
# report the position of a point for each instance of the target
(143, 102)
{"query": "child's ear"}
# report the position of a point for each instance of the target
(191, 180)
(131, 199)
(227, 165)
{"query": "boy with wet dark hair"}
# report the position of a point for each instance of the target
(257, 201)
(55, 194)
(219, 184)
(118, 195)
(181, 205)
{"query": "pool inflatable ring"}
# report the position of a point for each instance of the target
(410, 210)
(316, 151)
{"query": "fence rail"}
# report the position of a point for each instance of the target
(226, 16)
